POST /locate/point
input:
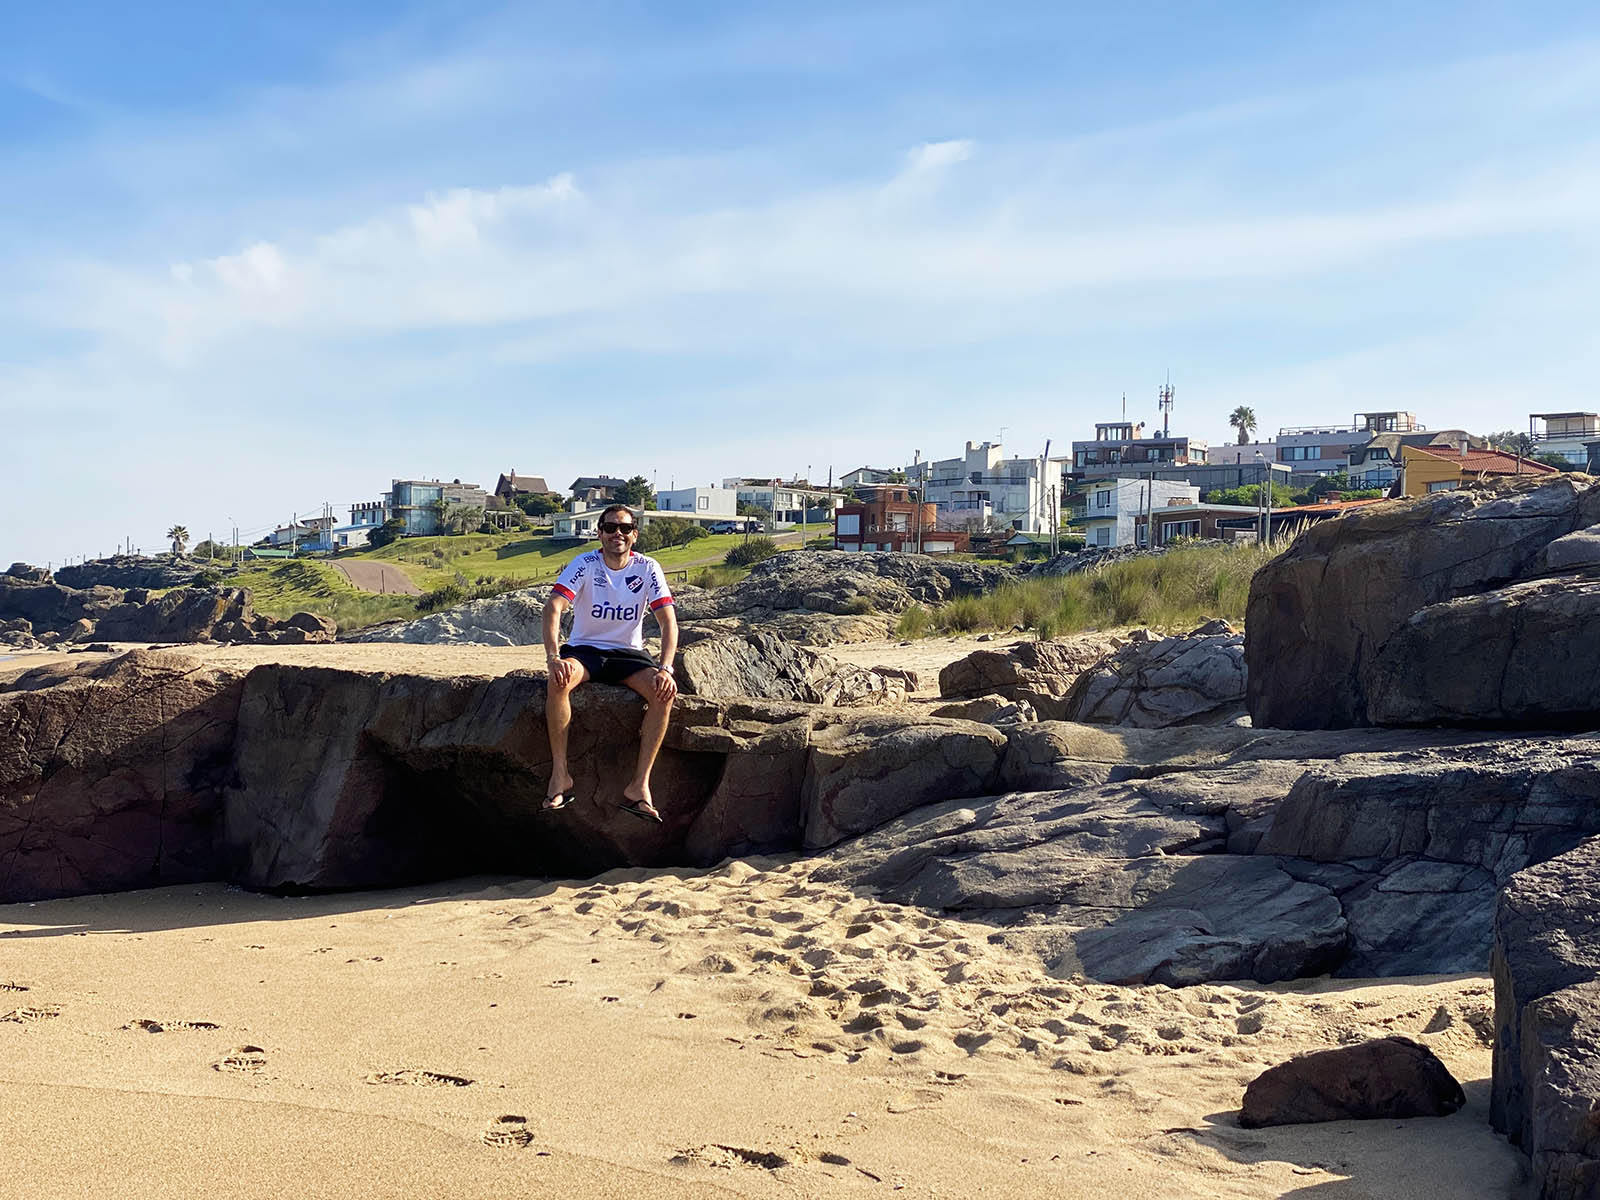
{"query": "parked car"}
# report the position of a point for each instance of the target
(725, 527)
(754, 527)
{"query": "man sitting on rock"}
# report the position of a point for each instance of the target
(609, 590)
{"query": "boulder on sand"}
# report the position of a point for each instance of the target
(1388, 1078)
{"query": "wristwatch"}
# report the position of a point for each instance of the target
(668, 670)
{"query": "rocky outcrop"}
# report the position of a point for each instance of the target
(58, 613)
(110, 778)
(844, 584)
(805, 628)
(1546, 966)
(764, 667)
(1169, 856)
(135, 571)
(509, 619)
(1527, 655)
(1324, 616)
(1195, 679)
(1041, 673)
(1387, 1079)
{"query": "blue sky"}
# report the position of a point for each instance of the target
(261, 257)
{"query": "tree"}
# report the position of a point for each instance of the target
(662, 532)
(636, 493)
(1243, 419)
(211, 549)
(539, 504)
(180, 538)
(1511, 442)
(391, 530)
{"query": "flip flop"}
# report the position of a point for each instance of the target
(556, 803)
(639, 809)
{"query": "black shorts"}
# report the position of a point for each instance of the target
(607, 664)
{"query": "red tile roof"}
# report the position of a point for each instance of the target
(1488, 462)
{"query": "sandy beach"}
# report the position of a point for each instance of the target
(741, 1031)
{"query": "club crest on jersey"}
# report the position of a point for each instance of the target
(634, 583)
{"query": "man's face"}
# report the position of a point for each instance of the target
(617, 532)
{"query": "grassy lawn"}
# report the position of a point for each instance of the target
(305, 585)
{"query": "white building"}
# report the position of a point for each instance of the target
(787, 502)
(1566, 434)
(1228, 453)
(706, 501)
(1114, 508)
(983, 489)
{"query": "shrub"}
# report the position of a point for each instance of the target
(206, 579)
(753, 551)
(445, 596)
(914, 622)
(858, 606)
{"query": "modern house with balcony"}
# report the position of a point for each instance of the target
(1312, 450)
(1567, 434)
(1119, 448)
(788, 503)
(1114, 509)
(984, 490)
(420, 503)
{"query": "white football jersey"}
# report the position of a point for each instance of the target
(608, 606)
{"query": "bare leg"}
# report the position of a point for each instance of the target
(558, 720)
(651, 733)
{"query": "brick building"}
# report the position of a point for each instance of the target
(887, 518)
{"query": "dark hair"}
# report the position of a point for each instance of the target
(606, 512)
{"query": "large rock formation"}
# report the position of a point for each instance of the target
(1193, 679)
(764, 667)
(1547, 1020)
(1170, 856)
(110, 778)
(1354, 623)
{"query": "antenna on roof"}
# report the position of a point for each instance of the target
(1164, 403)
(1124, 406)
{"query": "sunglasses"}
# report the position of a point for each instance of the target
(617, 526)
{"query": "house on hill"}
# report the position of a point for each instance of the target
(1425, 469)
(512, 485)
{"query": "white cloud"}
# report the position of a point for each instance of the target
(934, 156)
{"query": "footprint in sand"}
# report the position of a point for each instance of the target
(911, 1101)
(687, 1016)
(147, 1026)
(415, 1078)
(508, 1132)
(728, 1157)
(247, 1060)
(10, 986)
(31, 1014)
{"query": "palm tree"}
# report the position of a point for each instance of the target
(1243, 419)
(180, 538)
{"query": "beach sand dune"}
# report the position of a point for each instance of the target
(743, 1031)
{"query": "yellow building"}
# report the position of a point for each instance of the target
(1437, 469)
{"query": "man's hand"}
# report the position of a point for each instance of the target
(666, 687)
(561, 671)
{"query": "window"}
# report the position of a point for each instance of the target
(702, 501)
(1102, 536)
(1102, 499)
(849, 524)
(1442, 485)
